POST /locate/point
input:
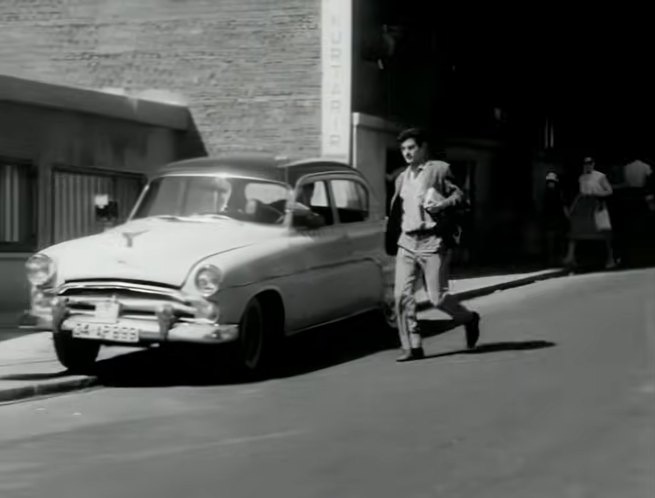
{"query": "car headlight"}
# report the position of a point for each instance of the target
(208, 280)
(40, 269)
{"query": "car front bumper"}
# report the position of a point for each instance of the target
(125, 312)
(161, 330)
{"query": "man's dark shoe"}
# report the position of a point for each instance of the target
(473, 331)
(411, 354)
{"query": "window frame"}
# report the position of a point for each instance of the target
(314, 178)
(32, 241)
(362, 183)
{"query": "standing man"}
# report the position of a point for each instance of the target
(421, 232)
(638, 203)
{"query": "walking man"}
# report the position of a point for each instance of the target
(421, 232)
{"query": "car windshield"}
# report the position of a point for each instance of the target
(214, 197)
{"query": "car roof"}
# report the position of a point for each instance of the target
(259, 165)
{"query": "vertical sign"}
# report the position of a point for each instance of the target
(336, 58)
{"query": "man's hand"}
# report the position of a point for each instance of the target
(434, 207)
(434, 202)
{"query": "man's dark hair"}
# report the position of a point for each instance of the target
(417, 134)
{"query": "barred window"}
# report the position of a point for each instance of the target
(18, 224)
(74, 190)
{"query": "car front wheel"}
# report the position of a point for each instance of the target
(77, 355)
(252, 337)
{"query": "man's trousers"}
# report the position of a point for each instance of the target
(431, 270)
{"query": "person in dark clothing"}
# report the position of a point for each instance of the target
(554, 220)
(637, 203)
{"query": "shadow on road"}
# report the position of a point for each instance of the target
(35, 376)
(322, 348)
(310, 352)
(497, 347)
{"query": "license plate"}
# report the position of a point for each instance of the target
(107, 311)
(106, 332)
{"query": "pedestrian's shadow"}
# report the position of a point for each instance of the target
(497, 347)
(432, 328)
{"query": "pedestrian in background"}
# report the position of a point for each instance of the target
(589, 215)
(421, 232)
(637, 205)
(554, 220)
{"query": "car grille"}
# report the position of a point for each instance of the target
(137, 300)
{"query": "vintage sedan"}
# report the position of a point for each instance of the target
(241, 250)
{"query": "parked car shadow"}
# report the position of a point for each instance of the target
(303, 354)
(335, 345)
(154, 368)
(308, 352)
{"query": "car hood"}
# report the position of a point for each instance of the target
(152, 250)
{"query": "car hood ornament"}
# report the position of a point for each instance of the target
(130, 236)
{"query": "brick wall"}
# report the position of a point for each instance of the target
(248, 69)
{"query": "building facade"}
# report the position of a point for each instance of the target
(249, 70)
(236, 74)
(337, 78)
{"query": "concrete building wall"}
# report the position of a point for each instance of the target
(249, 70)
(49, 138)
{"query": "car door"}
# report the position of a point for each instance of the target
(314, 294)
(364, 281)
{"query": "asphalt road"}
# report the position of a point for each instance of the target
(559, 401)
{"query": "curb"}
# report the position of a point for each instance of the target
(45, 389)
(490, 289)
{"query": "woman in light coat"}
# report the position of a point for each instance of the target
(589, 216)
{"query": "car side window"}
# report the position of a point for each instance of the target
(314, 196)
(351, 199)
(265, 192)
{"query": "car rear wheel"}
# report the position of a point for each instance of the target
(77, 355)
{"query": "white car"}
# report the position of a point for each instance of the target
(241, 250)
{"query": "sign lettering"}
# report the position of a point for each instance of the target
(336, 78)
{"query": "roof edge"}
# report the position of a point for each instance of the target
(40, 94)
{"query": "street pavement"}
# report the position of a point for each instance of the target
(557, 401)
(28, 366)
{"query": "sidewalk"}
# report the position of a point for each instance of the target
(28, 366)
